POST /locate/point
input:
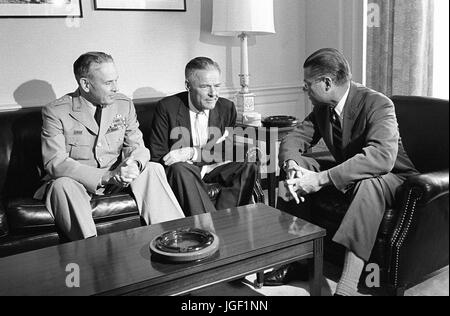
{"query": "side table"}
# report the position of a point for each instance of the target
(271, 136)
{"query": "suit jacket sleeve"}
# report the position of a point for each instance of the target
(305, 136)
(380, 153)
(56, 160)
(160, 133)
(133, 141)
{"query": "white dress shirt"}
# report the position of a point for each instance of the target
(199, 125)
(339, 109)
(200, 134)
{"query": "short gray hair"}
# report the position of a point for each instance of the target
(82, 65)
(200, 63)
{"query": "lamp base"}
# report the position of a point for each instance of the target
(245, 107)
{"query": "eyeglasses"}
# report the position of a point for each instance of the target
(307, 84)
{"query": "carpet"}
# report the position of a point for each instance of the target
(437, 285)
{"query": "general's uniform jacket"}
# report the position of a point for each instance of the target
(74, 146)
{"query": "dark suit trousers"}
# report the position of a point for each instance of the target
(367, 202)
(237, 180)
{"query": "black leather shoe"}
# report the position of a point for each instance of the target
(285, 274)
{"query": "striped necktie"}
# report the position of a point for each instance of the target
(337, 132)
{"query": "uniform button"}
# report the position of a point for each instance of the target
(100, 160)
(99, 145)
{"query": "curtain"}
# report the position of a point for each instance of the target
(400, 47)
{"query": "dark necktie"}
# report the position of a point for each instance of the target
(98, 115)
(337, 131)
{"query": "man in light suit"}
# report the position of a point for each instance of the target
(92, 145)
(190, 138)
(359, 127)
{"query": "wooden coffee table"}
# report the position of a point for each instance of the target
(252, 239)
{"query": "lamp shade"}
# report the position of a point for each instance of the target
(233, 17)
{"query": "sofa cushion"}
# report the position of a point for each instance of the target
(145, 110)
(20, 153)
(423, 124)
(29, 216)
(14, 244)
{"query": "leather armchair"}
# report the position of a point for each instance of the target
(419, 244)
(413, 239)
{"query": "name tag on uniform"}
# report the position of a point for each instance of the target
(77, 132)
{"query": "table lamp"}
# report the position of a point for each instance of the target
(243, 18)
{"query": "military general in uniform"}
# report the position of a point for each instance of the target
(92, 145)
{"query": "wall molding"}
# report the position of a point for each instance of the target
(10, 107)
(265, 96)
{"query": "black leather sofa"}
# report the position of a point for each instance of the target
(25, 224)
(413, 240)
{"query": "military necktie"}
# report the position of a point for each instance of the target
(98, 114)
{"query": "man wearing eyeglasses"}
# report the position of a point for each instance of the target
(359, 127)
(191, 137)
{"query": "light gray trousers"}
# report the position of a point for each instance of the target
(69, 202)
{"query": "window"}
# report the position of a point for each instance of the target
(441, 52)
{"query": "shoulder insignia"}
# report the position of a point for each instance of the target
(120, 96)
(61, 101)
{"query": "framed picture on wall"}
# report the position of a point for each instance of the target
(40, 8)
(141, 5)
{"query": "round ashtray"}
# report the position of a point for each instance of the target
(280, 121)
(185, 245)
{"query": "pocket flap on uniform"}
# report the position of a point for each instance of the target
(77, 141)
(115, 137)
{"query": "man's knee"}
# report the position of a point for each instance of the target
(154, 168)
(367, 185)
(385, 187)
(179, 169)
(62, 185)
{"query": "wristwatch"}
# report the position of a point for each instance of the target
(285, 164)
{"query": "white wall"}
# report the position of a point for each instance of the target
(150, 50)
(338, 24)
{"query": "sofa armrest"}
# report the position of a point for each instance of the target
(429, 186)
(3, 222)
